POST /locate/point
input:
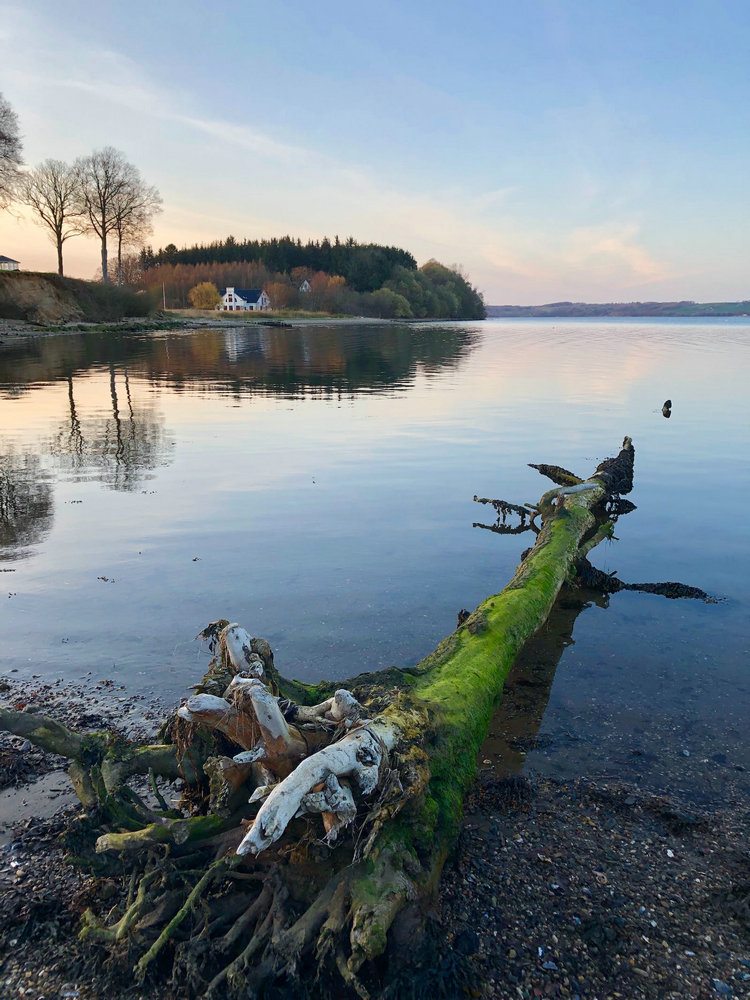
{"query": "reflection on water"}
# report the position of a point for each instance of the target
(256, 359)
(118, 450)
(515, 727)
(26, 507)
(316, 484)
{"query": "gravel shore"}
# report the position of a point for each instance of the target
(588, 889)
(582, 888)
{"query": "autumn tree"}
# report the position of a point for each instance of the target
(204, 296)
(282, 295)
(51, 191)
(10, 152)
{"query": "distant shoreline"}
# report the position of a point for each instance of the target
(608, 309)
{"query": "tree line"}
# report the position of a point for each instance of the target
(100, 195)
(432, 291)
(364, 266)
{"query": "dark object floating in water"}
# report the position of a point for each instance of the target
(666, 410)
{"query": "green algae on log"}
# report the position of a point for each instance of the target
(229, 896)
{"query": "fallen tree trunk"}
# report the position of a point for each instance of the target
(380, 765)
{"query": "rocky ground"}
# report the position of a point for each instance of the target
(588, 889)
(12, 330)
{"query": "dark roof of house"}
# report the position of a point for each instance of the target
(8, 260)
(248, 294)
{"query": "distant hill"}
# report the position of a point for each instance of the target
(562, 309)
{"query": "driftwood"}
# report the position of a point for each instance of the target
(314, 820)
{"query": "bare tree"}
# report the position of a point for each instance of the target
(52, 191)
(102, 178)
(133, 210)
(132, 270)
(10, 152)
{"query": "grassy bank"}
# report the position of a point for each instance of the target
(49, 299)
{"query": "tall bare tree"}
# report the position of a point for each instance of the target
(52, 191)
(10, 152)
(115, 199)
(133, 210)
(102, 177)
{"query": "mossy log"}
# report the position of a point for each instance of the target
(274, 771)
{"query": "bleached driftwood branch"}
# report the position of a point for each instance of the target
(358, 755)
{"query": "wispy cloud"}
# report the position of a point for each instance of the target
(299, 188)
(614, 246)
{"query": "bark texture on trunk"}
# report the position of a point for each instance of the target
(277, 772)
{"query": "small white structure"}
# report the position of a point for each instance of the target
(8, 264)
(305, 286)
(244, 300)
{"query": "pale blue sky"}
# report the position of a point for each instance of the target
(558, 149)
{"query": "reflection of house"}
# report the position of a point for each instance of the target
(244, 299)
(305, 286)
(8, 264)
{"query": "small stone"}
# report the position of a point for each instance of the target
(630, 800)
(466, 943)
(550, 966)
(721, 988)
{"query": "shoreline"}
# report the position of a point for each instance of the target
(578, 888)
(17, 329)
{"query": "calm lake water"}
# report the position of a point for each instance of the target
(316, 485)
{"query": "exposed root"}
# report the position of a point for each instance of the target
(210, 876)
(359, 754)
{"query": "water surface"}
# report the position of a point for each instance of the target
(316, 485)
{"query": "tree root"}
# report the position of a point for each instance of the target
(210, 876)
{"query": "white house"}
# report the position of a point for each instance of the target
(8, 264)
(305, 286)
(244, 300)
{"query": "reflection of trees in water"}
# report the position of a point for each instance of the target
(315, 360)
(265, 359)
(26, 503)
(118, 451)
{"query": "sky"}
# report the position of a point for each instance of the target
(555, 149)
